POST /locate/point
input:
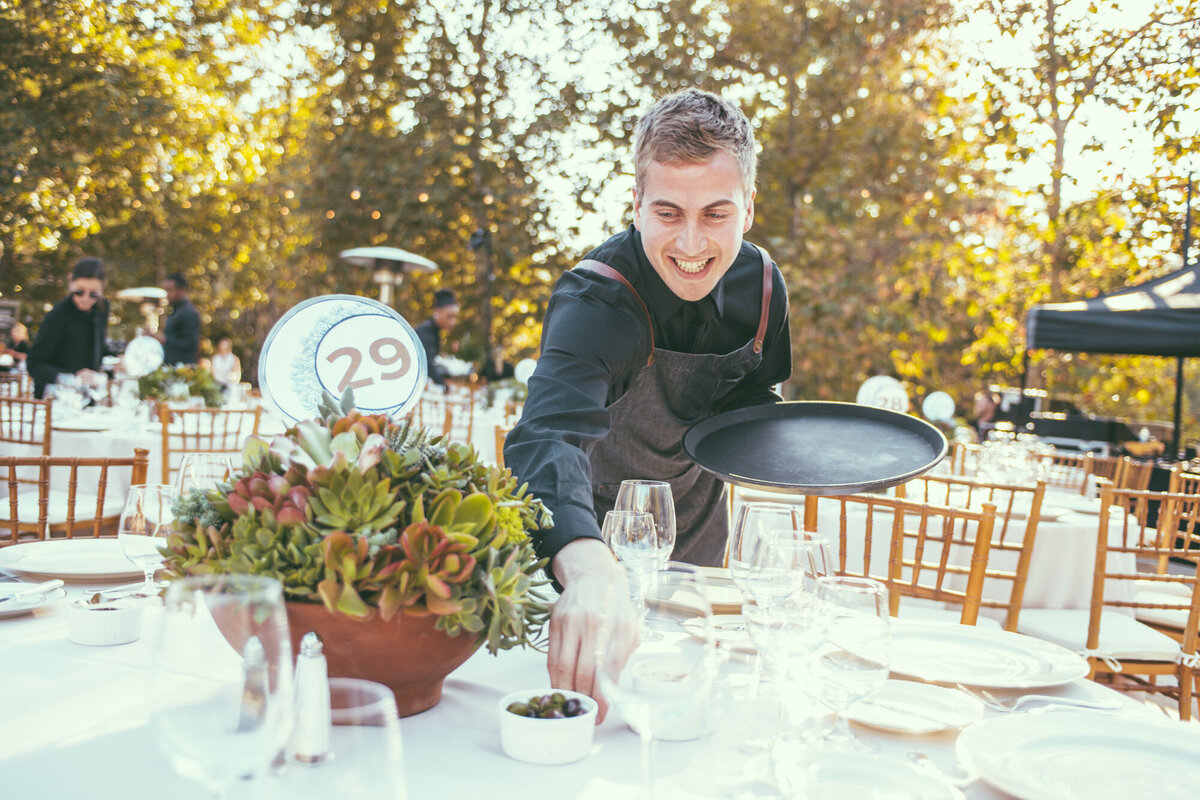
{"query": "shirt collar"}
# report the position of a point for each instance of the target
(658, 295)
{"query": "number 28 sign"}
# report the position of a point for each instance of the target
(338, 343)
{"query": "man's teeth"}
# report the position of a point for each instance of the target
(691, 266)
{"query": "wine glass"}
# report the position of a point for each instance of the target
(633, 540)
(663, 686)
(145, 524)
(754, 521)
(852, 661)
(654, 497)
(203, 472)
(221, 693)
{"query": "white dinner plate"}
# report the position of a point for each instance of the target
(995, 659)
(908, 707)
(839, 776)
(83, 560)
(1072, 755)
(92, 421)
(17, 608)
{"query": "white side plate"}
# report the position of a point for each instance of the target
(81, 560)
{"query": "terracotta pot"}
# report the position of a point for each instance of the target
(407, 654)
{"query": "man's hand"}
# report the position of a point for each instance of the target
(589, 575)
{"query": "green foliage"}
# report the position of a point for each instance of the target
(372, 517)
(178, 383)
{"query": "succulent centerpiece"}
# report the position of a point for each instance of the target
(388, 541)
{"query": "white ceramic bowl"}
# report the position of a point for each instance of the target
(104, 624)
(546, 741)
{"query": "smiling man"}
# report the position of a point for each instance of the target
(663, 325)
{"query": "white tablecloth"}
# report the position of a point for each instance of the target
(75, 727)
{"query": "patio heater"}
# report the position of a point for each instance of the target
(387, 265)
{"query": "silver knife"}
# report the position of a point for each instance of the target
(33, 591)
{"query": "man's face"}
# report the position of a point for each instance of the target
(446, 317)
(171, 289)
(86, 292)
(692, 217)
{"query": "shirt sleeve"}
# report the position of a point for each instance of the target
(40, 362)
(585, 360)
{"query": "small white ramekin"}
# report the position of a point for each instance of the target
(103, 625)
(547, 741)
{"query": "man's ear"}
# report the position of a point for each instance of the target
(749, 211)
(637, 208)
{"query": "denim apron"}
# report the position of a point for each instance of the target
(670, 393)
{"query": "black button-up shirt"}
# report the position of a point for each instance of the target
(594, 342)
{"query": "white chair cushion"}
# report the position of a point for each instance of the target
(1165, 587)
(1168, 617)
(57, 501)
(1121, 636)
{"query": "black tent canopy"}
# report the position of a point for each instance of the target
(1157, 318)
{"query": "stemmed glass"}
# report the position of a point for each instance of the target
(754, 521)
(632, 538)
(663, 686)
(221, 678)
(852, 661)
(655, 498)
(145, 524)
(203, 471)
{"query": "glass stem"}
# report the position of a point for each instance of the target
(647, 757)
(150, 585)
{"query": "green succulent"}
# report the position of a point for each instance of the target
(370, 516)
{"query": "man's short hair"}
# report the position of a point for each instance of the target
(443, 298)
(689, 127)
(178, 279)
(88, 268)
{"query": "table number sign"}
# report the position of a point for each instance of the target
(339, 342)
(883, 391)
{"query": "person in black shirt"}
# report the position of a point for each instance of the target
(181, 332)
(667, 323)
(496, 367)
(445, 317)
(72, 336)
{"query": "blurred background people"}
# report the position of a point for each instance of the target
(16, 346)
(73, 334)
(495, 367)
(180, 335)
(225, 365)
(445, 317)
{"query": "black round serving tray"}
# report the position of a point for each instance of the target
(813, 447)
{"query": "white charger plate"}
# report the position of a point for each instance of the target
(995, 659)
(17, 608)
(839, 776)
(1072, 755)
(83, 560)
(908, 707)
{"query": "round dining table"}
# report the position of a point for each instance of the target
(76, 726)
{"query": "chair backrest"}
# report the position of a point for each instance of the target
(64, 502)
(16, 384)
(1122, 472)
(450, 413)
(203, 430)
(501, 435)
(26, 422)
(930, 552)
(1066, 470)
(1184, 482)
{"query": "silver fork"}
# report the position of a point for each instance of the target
(1017, 704)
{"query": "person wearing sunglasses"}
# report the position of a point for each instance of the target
(72, 337)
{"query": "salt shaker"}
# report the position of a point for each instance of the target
(310, 737)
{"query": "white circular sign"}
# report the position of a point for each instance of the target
(938, 407)
(883, 391)
(337, 343)
(142, 356)
(523, 371)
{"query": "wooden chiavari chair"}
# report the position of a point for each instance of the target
(26, 423)
(203, 430)
(1184, 482)
(72, 498)
(16, 384)
(930, 553)
(1072, 471)
(1132, 598)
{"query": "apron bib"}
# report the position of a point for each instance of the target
(670, 393)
